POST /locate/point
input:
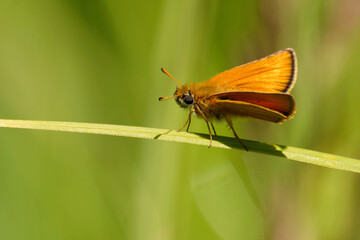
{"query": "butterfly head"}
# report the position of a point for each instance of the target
(183, 97)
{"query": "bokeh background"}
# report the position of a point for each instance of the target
(99, 61)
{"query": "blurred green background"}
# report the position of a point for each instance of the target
(99, 61)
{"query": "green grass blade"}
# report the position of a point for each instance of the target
(292, 153)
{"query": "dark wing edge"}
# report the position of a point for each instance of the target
(293, 70)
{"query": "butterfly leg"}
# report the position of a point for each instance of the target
(236, 136)
(212, 125)
(188, 121)
(187, 129)
(191, 111)
(207, 123)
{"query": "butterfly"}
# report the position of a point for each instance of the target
(259, 89)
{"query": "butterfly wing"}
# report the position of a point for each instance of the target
(273, 74)
(273, 107)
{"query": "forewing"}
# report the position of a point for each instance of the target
(273, 74)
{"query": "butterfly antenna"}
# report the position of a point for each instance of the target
(166, 72)
(165, 98)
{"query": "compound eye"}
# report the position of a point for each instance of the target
(188, 99)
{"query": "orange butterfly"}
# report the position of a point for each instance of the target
(259, 89)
